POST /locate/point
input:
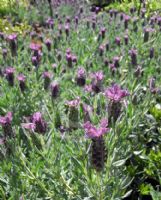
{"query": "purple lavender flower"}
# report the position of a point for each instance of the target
(4, 52)
(98, 149)
(97, 79)
(48, 43)
(54, 90)
(73, 113)
(152, 20)
(6, 123)
(126, 21)
(76, 20)
(73, 103)
(106, 62)
(93, 25)
(22, 80)
(152, 87)
(101, 50)
(151, 53)
(9, 72)
(102, 32)
(68, 51)
(97, 10)
(133, 54)
(116, 60)
(111, 12)
(13, 44)
(121, 16)
(54, 66)
(1, 35)
(29, 126)
(112, 68)
(81, 77)
(115, 93)
(60, 29)
(36, 48)
(159, 21)
(115, 13)
(132, 10)
(50, 23)
(74, 58)
(47, 79)
(118, 41)
(143, 11)
(67, 28)
(107, 46)
(93, 132)
(126, 39)
(40, 37)
(33, 35)
(88, 88)
(35, 61)
(87, 112)
(69, 60)
(40, 124)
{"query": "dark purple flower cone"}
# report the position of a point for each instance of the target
(98, 153)
(151, 53)
(133, 54)
(6, 123)
(13, 44)
(96, 86)
(22, 83)
(54, 90)
(81, 81)
(114, 110)
(13, 47)
(40, 124)
(10, 75)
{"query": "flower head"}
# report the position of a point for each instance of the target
(81, 76)
(115, 93)
(74, 103)
(40, 124)
(22, 80)
(93, 132)
(29, 126)
(48, 43)
(54, 89)
(35, 46)
(7, 119)
(9, 72)
(5, 122)
(12, 37)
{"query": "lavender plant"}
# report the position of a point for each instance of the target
(68, 75)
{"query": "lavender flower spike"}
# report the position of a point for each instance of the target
(9, 72)
(5, 122)
(22, 80)
(93, 132)
(115, 93)
(40, 124)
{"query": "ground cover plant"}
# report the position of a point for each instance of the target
(80, 104)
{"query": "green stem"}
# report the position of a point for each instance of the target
(100, 193)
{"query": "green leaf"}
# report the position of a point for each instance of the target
(119, 163)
